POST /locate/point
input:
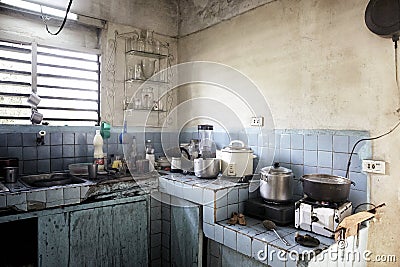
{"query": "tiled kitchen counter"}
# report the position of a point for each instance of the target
(219, 198)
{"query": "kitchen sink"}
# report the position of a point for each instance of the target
(52, 179)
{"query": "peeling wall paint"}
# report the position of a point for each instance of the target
(195, 15)
(158, 15)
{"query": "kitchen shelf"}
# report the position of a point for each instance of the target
(144, 80)
(142, 110)
(146, 54)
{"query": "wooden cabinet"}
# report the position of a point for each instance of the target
(113, 235)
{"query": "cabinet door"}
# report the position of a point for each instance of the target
(109, 236)
(53, 240)
(185, 236)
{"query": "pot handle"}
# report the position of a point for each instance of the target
(238, 142)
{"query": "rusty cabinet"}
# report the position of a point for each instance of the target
(114, 235)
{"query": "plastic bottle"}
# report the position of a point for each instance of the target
(98, 154)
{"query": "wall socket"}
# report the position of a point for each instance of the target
(257, 121)
(373, 166)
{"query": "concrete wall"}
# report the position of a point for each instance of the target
(319, 67)
(158, 15)
(195, 15)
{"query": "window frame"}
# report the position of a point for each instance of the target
(33, 85)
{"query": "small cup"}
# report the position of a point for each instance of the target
(92, 170)
(11, 174)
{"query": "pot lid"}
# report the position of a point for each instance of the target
(275, 169)
(236, 146)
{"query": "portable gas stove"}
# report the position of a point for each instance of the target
(320, 217)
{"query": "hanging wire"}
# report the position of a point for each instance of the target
(63, 23)
(395, 39)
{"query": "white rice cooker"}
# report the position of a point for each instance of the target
(236, 159)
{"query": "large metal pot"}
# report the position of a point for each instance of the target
(236, 159)
(206, 168)
(325, 187)
(7, 162)
(276, 184)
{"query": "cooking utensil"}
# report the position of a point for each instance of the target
(206, 168)
(7, 162)
(11, 174)
(207, 147)
(382, 17)
(325, 187)
(270, 225)
(276, 183)
(92, 171)
(237, 159)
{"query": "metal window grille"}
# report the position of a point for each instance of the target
(67, 82)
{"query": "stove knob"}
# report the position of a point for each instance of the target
(336, 220)
(314, 219)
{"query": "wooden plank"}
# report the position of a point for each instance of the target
(130, 223)
(90, 236)
(53, 243)
(185, 227)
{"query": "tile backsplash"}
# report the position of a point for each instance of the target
(305, 152)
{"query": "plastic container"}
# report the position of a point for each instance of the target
(79, 168)
(98, 154)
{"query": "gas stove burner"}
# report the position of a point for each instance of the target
(321, 203)
(320, 217)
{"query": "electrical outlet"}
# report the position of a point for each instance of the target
(373, 166)
(257, 121)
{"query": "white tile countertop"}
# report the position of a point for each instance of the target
(219, 199)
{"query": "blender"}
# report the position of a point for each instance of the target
(207, 146)
(206, 166)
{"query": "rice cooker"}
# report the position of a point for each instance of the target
(236, 159)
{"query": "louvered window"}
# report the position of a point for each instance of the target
(66, 81)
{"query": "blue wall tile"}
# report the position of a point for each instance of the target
(56, 165)
(296, 156)
(29, 153)
(29, 139)
(310, 170)
(56, 152)
(325, 142)
(15, 152)
(310, 142)
(324, 159)
(56, 139)
(298, 170)
(30, 167)
(66, 162)
(340, 143)
(357, 197)
(297, 141)
(14, 139)
(3, 152)
(43, 152)
(68, 151)
(285, 141)
(80, 151)
(284, 155)
(360, 181)
(80, 138)
(68, 138)
(322, 170)
(310, 158)
(3, 140)
(340, 161)
(43, 166)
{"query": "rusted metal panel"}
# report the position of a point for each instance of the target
(53, 243)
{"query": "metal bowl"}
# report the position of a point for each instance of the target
(207, 168)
